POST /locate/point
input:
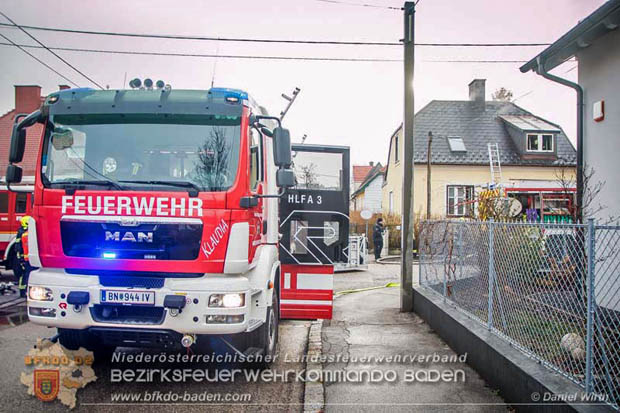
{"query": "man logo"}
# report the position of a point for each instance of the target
(46, 384)
(129, 236)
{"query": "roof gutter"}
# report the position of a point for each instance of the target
(540, 69)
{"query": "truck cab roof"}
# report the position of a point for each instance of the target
(214, 101)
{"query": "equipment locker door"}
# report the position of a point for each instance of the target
(314, 223)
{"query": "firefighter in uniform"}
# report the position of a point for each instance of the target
(21, 249)
(377, 237)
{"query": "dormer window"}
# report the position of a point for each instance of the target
(539, 142)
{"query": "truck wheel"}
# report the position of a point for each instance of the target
(268, 332)
(71, 339)
(74, 339)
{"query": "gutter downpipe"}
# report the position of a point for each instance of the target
(540, 69)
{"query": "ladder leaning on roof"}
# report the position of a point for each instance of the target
(495, 164)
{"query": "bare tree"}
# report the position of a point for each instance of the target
(590, 204)
(212, 167)
(308, 175)
(502, 94)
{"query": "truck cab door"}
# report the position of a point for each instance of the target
(314, 223)
(257, 187)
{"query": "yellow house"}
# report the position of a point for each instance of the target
(533, 153)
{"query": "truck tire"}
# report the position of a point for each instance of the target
(71, 339)
(267, 334)
(74, 339)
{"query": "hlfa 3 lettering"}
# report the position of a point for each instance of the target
(304, 199)
(216, 237)
(130, 205)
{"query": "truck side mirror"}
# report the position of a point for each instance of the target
(285, 178)
(18, 137)
(13, 174)
(18, 145)
(282, 147)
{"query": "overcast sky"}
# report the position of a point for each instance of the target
(343, 103)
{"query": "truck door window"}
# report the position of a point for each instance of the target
(256, 158)
(21, 202)
(4, 202)
(138, 148)
(317, 170)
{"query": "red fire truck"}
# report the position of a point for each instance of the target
(14, 205)
(157, 221)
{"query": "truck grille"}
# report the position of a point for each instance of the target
(127, 314)
(127, 337)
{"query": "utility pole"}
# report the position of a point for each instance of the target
(290, 101)
(406, 266)
(428, 176)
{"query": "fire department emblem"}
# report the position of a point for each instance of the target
(54, 373)
(46, 384)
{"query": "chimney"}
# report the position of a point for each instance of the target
(476, 90)
(27, 98)
(63, 87)
(371, 163)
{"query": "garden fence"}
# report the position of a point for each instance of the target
(552, 290)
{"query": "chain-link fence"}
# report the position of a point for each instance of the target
(552, 290)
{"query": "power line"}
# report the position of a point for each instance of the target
(256, 57)
(376, 6)
(12, 43)
(49, 50)
(260, 40)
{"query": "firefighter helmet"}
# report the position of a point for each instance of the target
(24, 221)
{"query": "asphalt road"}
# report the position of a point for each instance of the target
(18, 336)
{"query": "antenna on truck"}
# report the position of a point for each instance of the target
(217, 52)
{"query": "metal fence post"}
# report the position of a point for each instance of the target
(491, 274)
(459, 250)
(590, 303)
(445, 276)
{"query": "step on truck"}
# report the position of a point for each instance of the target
(163, 217)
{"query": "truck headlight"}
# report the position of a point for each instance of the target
(37, 293)
(227, 300)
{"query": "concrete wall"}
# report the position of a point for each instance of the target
(518, 378)
(599, 75)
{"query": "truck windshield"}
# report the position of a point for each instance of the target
(202, 150)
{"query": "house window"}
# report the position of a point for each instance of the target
(391, 202)
(457, 197)
(539, 142)
(396, 149)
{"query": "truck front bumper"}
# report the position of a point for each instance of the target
(196, 317)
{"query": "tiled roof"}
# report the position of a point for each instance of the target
(478, 124)
(360, 172)
(33, 139)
